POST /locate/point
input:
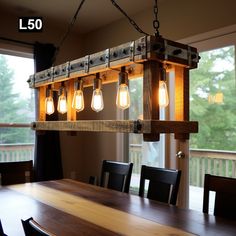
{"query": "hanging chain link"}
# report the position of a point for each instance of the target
(132, 22)
(156, 23)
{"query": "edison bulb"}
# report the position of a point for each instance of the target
(62, 104)
(78, 100)
(123, 97)
(49, 105)
(163, 94)
(97, 100)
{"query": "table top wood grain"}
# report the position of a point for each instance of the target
(68, 207)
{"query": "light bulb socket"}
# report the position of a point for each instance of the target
(97, 83)
(162, 73)
(49, 91)
(62, 89)
(123, 76)
(78, 85)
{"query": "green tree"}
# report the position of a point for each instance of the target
(217, 122)
(12, 108)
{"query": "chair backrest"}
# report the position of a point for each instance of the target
(32, 228)
(163, 184)
(1, 230)
(16, 172)
(116, 175)
(225, 197)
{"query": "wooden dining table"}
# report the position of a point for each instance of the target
(68, 207)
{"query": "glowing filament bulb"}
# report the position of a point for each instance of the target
(97, 98)
(49, 103)
(62, 103)
(78, 99)
(163, 94)
(123, 97)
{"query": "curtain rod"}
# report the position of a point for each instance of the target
(16, 41)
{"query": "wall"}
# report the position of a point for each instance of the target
(70, 50)
(178, 19)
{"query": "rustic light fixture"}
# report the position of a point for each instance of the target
(147, 56)
(97, 98)
(78, 99)
(62, 102)
(49, 103)
(123, 97)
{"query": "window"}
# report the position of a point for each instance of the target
(17, 108)
(212, 104)
(140, 152)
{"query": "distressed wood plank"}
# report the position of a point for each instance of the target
(87, 125)
(122, 126)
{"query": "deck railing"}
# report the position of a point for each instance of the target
(216, 162)
(202, 161)
(16, 152)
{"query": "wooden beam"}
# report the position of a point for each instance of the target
(182, 127)
(88, 125)
(71, 112)
(138, 51)
(151, 127)
(181, 97)
(41, 105)
(150, 95)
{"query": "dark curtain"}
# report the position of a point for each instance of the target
(47, 160)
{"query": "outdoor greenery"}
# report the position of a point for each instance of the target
(217, 121)
(13, 108)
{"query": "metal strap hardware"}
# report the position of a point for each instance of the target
(86, 64)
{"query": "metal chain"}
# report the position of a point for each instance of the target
(132, 22)
(156, 23)
(68, 30)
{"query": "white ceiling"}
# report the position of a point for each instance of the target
(94, 13)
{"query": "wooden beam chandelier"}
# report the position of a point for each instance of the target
(152, 57)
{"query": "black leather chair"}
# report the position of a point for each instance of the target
(163, 184)
(32, 228)
(225, 197)
(16, 172)
(115, 175)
